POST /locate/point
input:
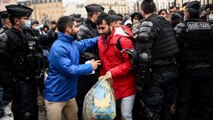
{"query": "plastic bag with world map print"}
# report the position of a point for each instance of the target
(99, 102)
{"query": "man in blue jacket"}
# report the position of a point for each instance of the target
(64, 69)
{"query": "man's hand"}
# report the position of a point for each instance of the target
(95, 64)
(108, 75)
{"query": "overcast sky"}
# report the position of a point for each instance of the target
(81, 1)
(76, 1)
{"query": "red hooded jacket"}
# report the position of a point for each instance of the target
(118, 63)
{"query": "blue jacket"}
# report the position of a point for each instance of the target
(64, 67)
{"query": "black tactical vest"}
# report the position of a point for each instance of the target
(165, 44)
(197, 42)
(22, 53)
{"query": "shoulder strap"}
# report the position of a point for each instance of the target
(118, 45)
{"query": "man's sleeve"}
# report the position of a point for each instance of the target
(65, 66)
(147, 32)
(4, 53)
(124, 68)
(179, 30)
(5, 70)
(86, 44)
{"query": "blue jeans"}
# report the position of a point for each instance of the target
(126, 107)
(1, 102)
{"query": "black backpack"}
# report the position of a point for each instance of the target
(140, 70)
(131, 52)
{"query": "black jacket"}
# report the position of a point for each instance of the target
(88, 30)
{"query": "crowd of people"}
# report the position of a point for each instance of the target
(160, 62)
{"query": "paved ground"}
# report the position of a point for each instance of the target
(42, 113)
(42, 116)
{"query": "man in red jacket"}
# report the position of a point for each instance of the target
(116, 64)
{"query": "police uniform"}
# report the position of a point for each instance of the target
(3, 14)
(36, 41)
(195, 38)
(5, 91)
(157, 49)
(87, 30)
(18, 60)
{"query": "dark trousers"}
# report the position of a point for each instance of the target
(158, 94)
(24, 106)
(137, 112)
(199, 84)
(1, 102)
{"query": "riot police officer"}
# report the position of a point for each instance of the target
(18, 56)
(195, 38)
(5, 90)
(157, 49)
(33, 30)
